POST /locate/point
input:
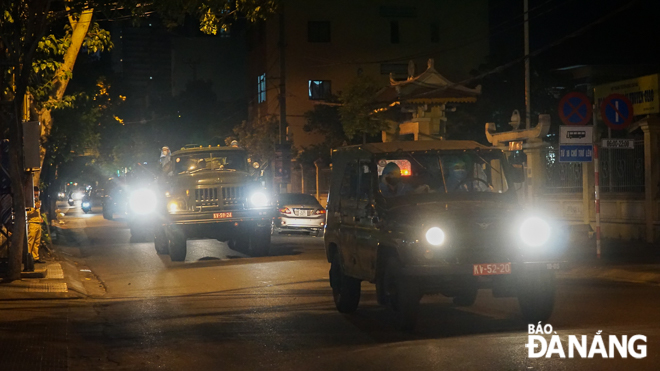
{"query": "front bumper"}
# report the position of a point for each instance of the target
(206, 217)
(300, 223)
(452, 278)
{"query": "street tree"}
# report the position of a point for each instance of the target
(357, 109)
(30, 29)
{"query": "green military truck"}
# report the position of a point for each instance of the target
(437, 217)
(214, 192)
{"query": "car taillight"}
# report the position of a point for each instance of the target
(320, 211)
(285, 210)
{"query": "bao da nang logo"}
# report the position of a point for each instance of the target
(581, 346)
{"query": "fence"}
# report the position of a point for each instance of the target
(621, 170)
(561, 177)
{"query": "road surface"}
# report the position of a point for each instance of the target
(221, 310)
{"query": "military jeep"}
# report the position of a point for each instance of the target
(214, 193)
(429, 217)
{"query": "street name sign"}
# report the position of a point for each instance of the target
(616, 111)
(576, 153)
(569, 134)
(619, 143)
(575, 109)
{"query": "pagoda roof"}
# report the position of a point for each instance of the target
(430, 87)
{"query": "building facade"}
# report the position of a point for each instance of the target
(328, 44)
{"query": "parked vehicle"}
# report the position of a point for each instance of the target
(299, 212)
(429, 217)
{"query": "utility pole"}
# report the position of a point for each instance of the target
(528, 104)
(284, 149)
(282, 97)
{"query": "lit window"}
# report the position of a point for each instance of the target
(319, 89)
(261, 88)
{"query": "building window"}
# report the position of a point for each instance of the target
(261, 88)
(318, 31)
(435, 32)
(394, 32)
(319, 89)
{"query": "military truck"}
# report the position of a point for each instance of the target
(429, 217)
(213, 192)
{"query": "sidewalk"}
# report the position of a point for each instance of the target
(624, 261)
(60, 278)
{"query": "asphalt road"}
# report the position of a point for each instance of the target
(221, 310)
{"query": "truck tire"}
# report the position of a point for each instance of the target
(177, 245)
(346, 290)
(536, 295)
(403, 295)
(255, 242)
(161, 243)
(259, 242)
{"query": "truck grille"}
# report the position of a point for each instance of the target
(232, 196)
(206, 197)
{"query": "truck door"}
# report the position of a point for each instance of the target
(366, 239)
(347, 210)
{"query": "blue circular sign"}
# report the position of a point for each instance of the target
(617, 111)
(575, 109)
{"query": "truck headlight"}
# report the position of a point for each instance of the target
(259, 199)
(143, 201)
(435, 236)
(534, 232)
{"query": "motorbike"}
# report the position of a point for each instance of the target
(71, 201)
(86, 205)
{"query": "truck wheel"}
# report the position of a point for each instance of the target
(259, 242)
(465, 298)
(161, 243)
(404, 295)
(107, 213)
(345, 290)
(536, 295)
(177, 245)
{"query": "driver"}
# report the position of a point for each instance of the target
(455, 173)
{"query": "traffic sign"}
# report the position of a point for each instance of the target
(576, 134)
(616, 111)
(576, 152)
(575, 109)
(619, 143)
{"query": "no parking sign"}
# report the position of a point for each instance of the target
(616, 111)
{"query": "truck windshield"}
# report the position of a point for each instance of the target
(211, 160)
(402, 174)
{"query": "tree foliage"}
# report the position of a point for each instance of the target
(357, 111)
(259, 139)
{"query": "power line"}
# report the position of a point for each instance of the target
(539, 50)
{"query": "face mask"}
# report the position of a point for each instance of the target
(460, 173)
(393, 180)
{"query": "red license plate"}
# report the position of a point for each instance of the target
(222, 215)
(490, 269)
